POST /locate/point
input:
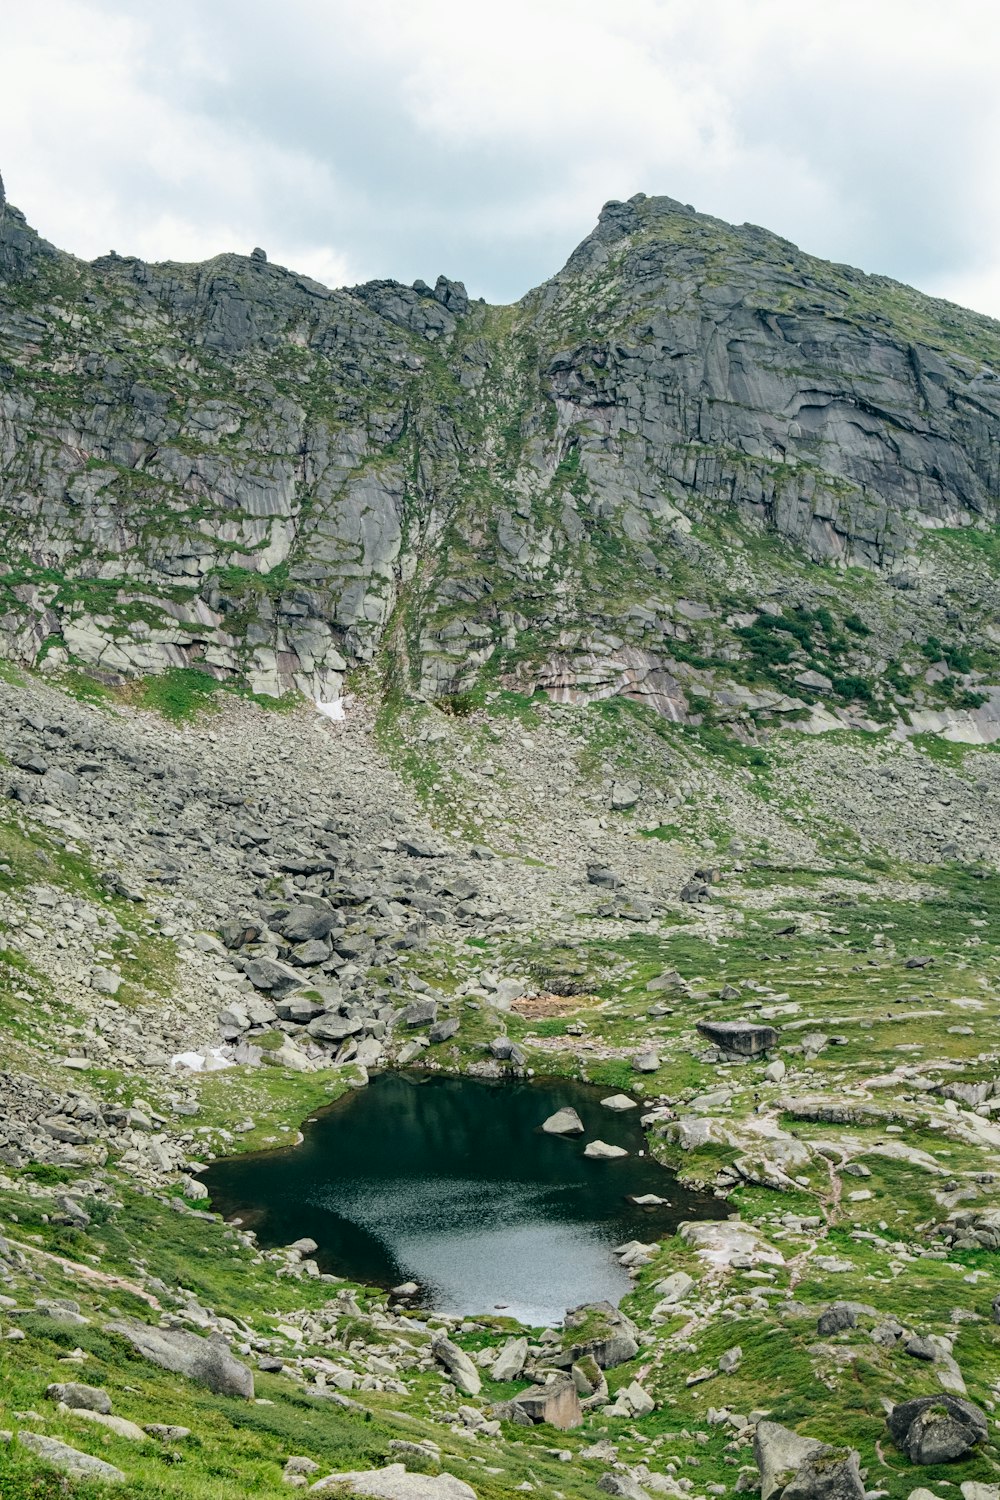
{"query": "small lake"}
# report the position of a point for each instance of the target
(449, 1182)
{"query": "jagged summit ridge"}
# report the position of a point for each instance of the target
(229, 465)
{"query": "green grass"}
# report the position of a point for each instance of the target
(179, 694)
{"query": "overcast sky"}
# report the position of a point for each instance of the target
(362, 138)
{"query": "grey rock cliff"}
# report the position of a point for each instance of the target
(229, 466)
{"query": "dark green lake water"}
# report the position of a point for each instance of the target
(449, 1182)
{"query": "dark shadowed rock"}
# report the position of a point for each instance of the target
(936, 1429)
(331, 1027)
(274, 977)
(747, 1038)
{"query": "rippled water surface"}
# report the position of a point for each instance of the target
(450, 1183)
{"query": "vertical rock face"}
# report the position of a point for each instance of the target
(230, 466)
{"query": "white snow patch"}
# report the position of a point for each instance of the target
(332, 710)
(211, 1061)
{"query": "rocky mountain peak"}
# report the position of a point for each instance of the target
(601, 489)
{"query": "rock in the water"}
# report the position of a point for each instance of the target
(207, 1361)
(936, 1429)
(458, 1364)
(395, 1482)
(619, 1102)
(563, 1122)
(69, 1460)
(602, 1151)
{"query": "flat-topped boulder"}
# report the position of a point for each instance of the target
(557, 1404)
(746, 1038)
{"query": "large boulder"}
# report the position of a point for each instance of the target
(208, 1361)
(936, 1429)
(333, 1027)
(270, 975)
(305, 922)
(458, 1364)
(70, 1460)
(510, 1361)
(600, 1329)
(84, 1397)
(830, 1474)
(557, 1404)
(746, 1038)
(802, 1468)
(564, 1122)
(602, 1151)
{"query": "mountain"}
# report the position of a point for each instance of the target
(696, 466)
(559, 573)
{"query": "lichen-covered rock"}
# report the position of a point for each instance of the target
(802, 1468)
(208, 1361)
(936, 1429)
(395, 1482)
(70, 1460)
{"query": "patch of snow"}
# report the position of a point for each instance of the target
(211, 1061)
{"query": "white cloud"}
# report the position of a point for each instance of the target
(401, 137)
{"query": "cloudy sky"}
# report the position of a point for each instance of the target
(362, 138)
